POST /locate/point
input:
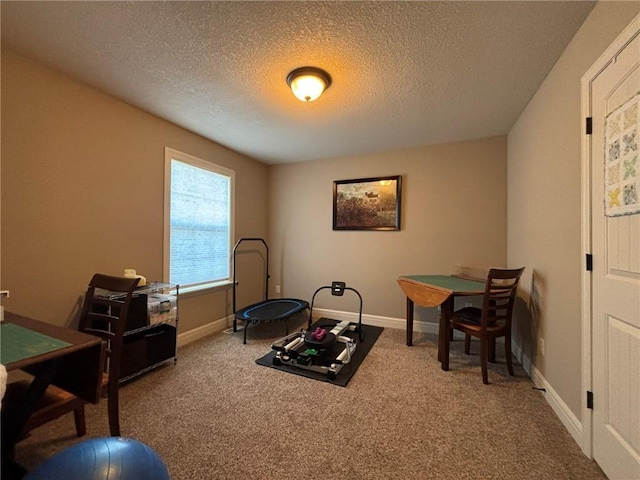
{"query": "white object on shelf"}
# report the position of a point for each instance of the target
(131, 273)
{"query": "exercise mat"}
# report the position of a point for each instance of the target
(370, 334)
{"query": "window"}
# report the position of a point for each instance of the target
(198, 224)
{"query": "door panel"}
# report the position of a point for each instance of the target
(615, 285)
(623, 348)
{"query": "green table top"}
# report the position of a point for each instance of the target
(448, 282)
(18, 343)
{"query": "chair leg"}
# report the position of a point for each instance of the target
(114, 418)
(79, 419)
(467, 343)
(484, 347)
(507, 351)
(492, 349)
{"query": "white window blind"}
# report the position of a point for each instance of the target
(200, 221)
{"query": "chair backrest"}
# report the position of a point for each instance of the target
(104, 313)
(499, 296)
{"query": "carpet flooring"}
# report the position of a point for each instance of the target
(219, 415)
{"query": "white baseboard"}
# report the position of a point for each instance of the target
(200, 332)
(378, 321)
(562, 411)
(375, 320)
(387, 322)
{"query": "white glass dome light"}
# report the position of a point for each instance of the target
(308, 83)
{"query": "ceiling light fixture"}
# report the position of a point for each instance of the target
(308, 83)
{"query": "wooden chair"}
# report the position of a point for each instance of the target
(104, 317)
(104, 314)
(491, 321)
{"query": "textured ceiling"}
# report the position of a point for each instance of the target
(404, 73)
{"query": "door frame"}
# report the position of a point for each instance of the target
(625, 37)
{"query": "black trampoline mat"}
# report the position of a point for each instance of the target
(275, 309)
(371, 334)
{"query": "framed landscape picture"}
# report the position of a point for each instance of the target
(367, 203)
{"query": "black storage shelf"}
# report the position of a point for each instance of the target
(148, 348)
(150, 339)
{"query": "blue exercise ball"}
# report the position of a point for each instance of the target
(110, 458)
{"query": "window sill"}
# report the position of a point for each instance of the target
(186, 292)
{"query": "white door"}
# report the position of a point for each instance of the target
(615, 187)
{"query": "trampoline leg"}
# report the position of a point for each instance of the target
(235, 325)
(244, 341)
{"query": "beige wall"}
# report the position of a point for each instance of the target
(544, 216)
(453, 211)
(82, 192)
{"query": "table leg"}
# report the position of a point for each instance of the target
(446, 310)
(409, 322)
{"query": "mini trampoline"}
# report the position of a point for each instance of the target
(267, 310)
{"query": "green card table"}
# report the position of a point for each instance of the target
(67, 358)
(433, 291)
